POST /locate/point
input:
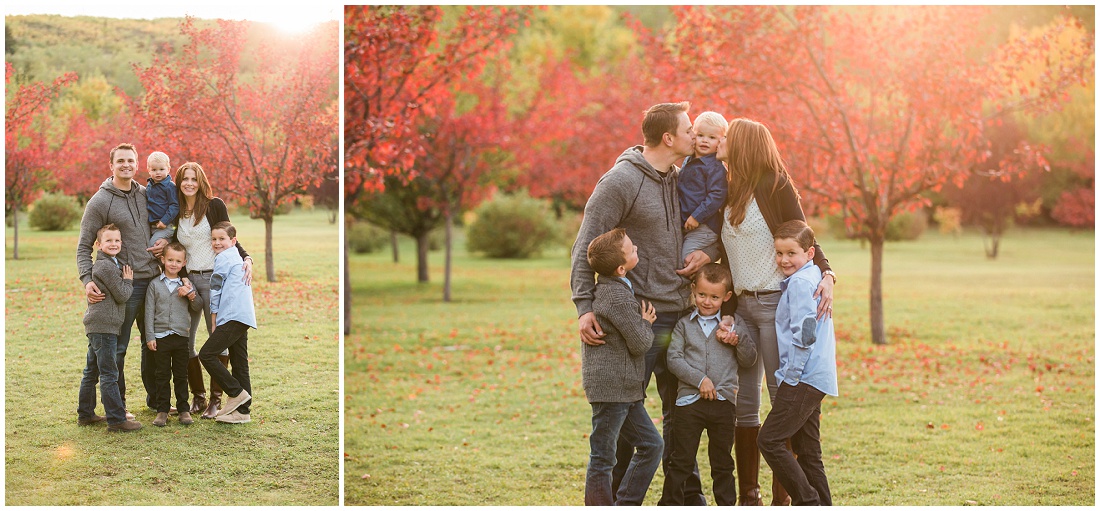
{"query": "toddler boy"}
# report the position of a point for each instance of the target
(613, 375)
(702, 185)
(160, 198)
(168, 327)
(102, 322)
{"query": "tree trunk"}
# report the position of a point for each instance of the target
(422, 257)
(994, 245)
(447, 258)
(15, 225)
(347, 294)
(393, 243)
(878, 327)
(269, 221)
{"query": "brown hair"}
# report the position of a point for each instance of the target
(202, 196)
(798, 231)
(605, 253)
(178, 247)
(225, 226)
(123, 146)
(660, 119)
(750, 154)
(715, 274)
(108, 227)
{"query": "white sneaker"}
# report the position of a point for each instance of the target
(234, 417)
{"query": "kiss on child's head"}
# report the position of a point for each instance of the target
(157, 164)
(709, 128)
(794, 246)
(110, 239)
(711, 286)
(222, 236)
(612, 254)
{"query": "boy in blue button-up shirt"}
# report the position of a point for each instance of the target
(232, 313)
(807, 372)
(160, 198)
(702, 186)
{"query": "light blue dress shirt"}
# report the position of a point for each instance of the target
(807, 347)
(230, 297)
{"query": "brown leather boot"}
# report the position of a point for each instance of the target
(194, 380)
(747, 455)
(215, 393)
(779, 495)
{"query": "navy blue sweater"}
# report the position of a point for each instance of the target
(702, 188)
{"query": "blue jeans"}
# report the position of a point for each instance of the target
(612, 422)
(100, 367)
(135, 309)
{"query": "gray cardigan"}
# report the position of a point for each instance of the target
(692, 355)
(615, 372)
(634, 196)
(106, 316)
(166, 311)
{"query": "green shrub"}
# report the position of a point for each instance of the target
(364, 238)
(511, 227)
(907, 226)
(54, 212)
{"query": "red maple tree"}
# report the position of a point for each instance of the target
(265, 136)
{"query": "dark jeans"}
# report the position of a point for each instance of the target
(135, 309)
(717, 418)
(613, 423)
(796, 414)
(100, 367)
(656, 364)
(234, 336)
(170, 360)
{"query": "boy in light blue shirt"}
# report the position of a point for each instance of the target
(232, 314)
(807, 372)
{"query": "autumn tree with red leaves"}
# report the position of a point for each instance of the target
(30, 160)
(264, 137)
(874, 106)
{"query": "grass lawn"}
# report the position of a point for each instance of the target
(985, 394)
(288, 454)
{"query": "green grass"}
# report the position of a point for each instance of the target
(985, 394)
(288, 454)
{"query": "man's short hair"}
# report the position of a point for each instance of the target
(123, 146)
(605, 253)
(715, 274)
(714, 119)
(660, 119)
(796, 230)
(227, 227)
(177, 246)
(105, 228)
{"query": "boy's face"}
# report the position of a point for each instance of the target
(173, 261)
(630, 252)
(157, 170)
(790, 256)
(220, 240)
(709, 296)
(110, 242)
(707, 139)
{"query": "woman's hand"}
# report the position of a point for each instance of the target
(825, 291)
(247, 267)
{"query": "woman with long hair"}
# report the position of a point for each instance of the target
(761, 198)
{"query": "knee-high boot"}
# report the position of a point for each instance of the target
(779, 495)
(194, 380)
(747, 457)
(215, 392)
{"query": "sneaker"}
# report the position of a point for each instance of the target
(233, 402)
(90, 420)
(185, 418)
(129, 416)
(161, 420)
(172, 411)
(234, 417)
(124, 427)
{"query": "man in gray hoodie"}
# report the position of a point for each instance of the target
(639, 194)
(121, 201)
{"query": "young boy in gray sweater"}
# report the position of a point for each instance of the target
(707, 370)
(102, 322)
(168, 303)
(613, 375)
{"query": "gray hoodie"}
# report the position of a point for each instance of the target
(128, 211)
(633, 195)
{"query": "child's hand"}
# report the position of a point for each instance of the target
(152, 345)
(725, 331)
(706, 390)
(127, 273)
(185, 289)
(160, 225)
(648, 312)
(691, 224)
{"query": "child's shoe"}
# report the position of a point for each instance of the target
(161, 420)
(234, 417)
(233, 402)
(185, 418)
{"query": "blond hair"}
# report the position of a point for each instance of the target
(750, 154)
(714, 119)
(159, 157)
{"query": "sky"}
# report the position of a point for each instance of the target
(290, 16)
